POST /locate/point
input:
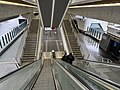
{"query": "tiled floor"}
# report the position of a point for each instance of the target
(91, 50)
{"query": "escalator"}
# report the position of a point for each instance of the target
(45, 80)
(54, 74)
(109, 80)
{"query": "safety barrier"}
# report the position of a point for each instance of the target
(10, 36)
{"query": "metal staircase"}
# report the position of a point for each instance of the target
(29, 53)
(72, 40)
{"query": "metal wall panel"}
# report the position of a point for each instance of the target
(59, 9)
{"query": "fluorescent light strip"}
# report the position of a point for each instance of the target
(30, 2)
(99, 5)
(16, 4)
(53, 5)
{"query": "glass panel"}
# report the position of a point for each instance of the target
(10, 35)
(89, 79)
(67, 81)
(95, 25)
(0, 44)
(6, 38)
(13, 33)
(20, 79)
(99, 35)
(3, 40)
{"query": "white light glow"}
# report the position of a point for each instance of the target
(99, 5)
(16, 4)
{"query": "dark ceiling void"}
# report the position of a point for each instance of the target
(59, 10)
(98, 2)
(52, 11)
(46, 11)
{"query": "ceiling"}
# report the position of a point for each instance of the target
(93, 2)
(28, 2)
(53, 11)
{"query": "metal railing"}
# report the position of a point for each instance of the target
(84, 54)
(10, 36)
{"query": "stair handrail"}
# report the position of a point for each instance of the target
(70, 48)
(22, 45)
(37, 51)
(79, 39)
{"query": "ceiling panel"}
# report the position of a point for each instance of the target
(60, 7)
(46, 11)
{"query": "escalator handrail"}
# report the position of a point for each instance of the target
(70, 75)
(96, 76)
(9, 74)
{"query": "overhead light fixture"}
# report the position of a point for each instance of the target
(16, 4)
(99, 5)
(30, 1)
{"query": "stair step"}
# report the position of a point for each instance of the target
(23, 58)
(28, 54)
(73, 44)
(29, 50)
(79, 58)
(77, 53)
(27, 60)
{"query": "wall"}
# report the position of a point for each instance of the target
(105, 42)
(81, 24)
(88, 22)
(64, 40)
(114, 31)
(9, 25)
